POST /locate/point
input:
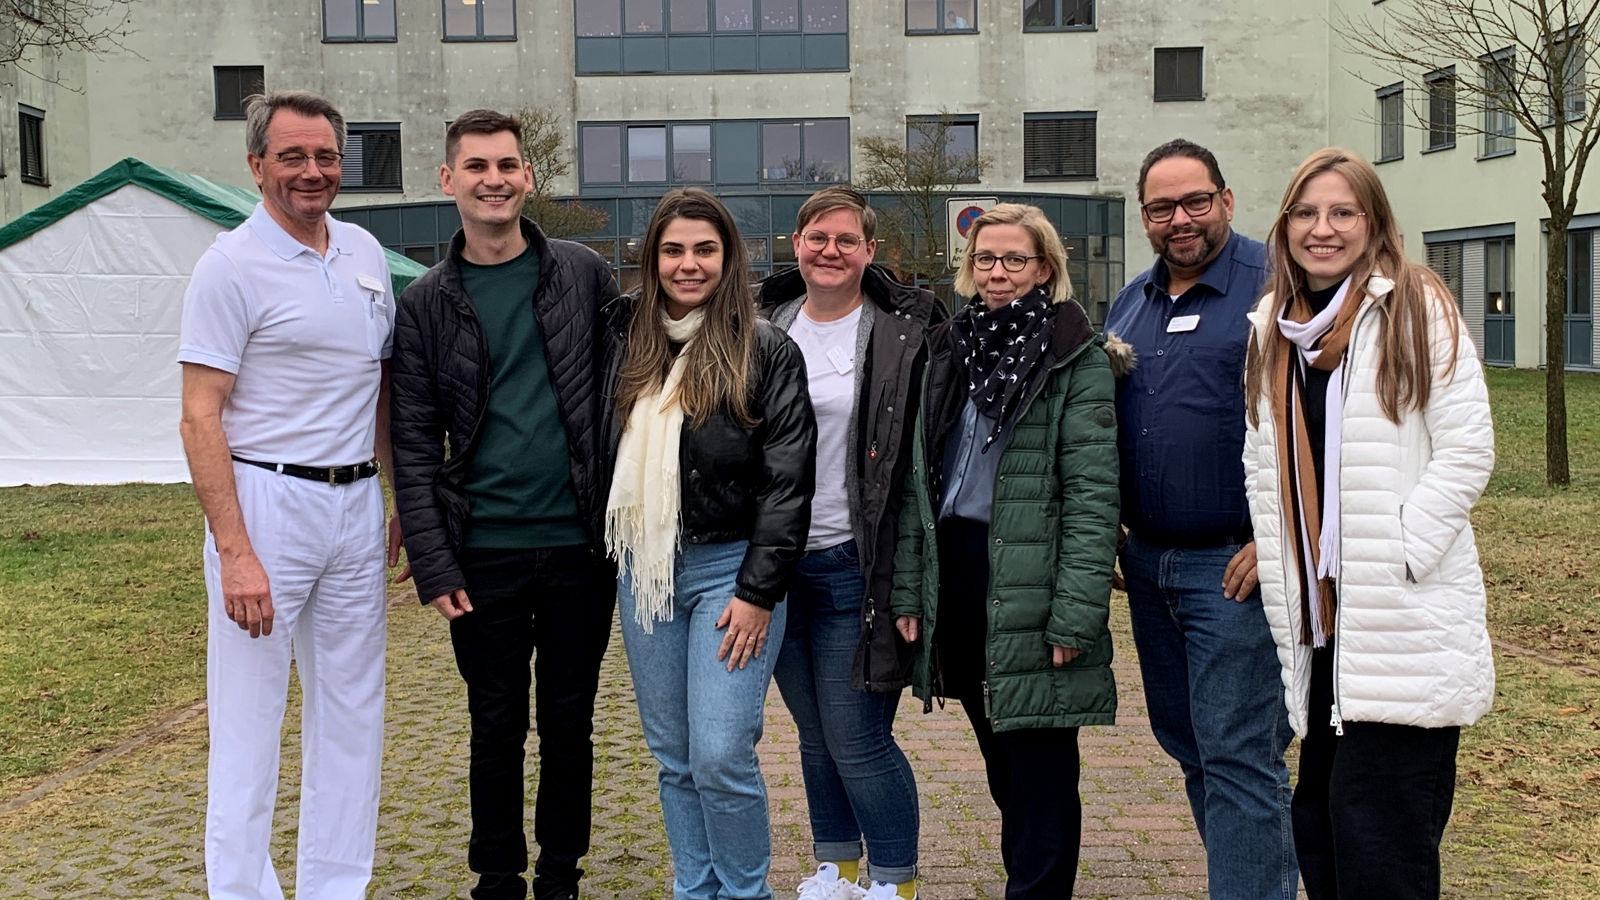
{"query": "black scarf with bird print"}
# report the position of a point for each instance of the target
(1003, 350)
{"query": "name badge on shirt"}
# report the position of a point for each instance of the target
(840, 357)
(369, 283)
(1181, 324)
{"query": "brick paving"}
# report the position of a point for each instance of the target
(131, 826)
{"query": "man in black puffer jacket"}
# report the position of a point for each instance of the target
(496, 425)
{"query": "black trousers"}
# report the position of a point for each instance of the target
(553, 606)
(1371, 805)
(1033, 772)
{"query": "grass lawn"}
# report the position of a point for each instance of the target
(102, 630)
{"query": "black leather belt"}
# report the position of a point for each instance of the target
(326, 474)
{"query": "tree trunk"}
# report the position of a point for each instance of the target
(1556, 473)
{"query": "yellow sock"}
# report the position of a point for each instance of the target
(906, 890)
(849, 869)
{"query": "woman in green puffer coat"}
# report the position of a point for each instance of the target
(1008, 536)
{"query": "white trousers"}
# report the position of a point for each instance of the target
(322, 547)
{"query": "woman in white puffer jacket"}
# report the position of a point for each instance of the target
(1368, 442)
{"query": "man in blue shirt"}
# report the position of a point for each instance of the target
(1211, 676)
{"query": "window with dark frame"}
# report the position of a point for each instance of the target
(637, 37)
(1499, 126)
(1569, 54)
(357, 20)
(30, 133)
(941, 16)
(1180, 73)
(372, 157)
(1441, 87)
(960, 139)
(1057, 15)
(233, 84)
(807, 151)
(1059, 146)
(480, 20)
(1391, 122)
(610, 18)
(1445, 260)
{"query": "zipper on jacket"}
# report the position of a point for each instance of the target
(866, 658)
(1336, 720)
(987, 712)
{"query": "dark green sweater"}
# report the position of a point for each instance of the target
(518, 478)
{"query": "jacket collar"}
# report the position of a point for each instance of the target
(1378, 289)
(877, 285)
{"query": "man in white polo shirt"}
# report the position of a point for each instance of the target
(286, 333)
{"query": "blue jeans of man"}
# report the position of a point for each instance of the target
(858, 782)
(702, 724)
(1213, 688)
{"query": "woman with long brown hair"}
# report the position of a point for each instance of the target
(714, 445)
(1368, 442)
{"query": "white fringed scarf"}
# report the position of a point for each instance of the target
(642, 511)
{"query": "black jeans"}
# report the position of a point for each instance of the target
(1371, 805)
(1033, 772)
(553, 606)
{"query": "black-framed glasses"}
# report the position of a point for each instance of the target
(1013, 262)
(847, 243)
(295, 160)
(1197, 204)
(1304, 216)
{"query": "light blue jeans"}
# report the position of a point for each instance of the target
(1211, 684)
(702, 724)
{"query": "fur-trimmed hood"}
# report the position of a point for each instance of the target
(1123, 357)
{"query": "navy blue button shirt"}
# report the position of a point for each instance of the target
(1180, 412)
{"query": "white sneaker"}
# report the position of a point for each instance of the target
(827, 885)
(881, 890)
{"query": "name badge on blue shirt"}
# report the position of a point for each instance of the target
(1181, 324)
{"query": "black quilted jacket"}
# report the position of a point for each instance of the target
(439, 386)
(744, 484)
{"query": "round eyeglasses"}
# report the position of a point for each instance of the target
(847, 243)
(1303, 217)
(1013, 262)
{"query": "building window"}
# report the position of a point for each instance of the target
(1499, 126)
(700, 36)
(233, 85)
(372, 157)
(1566, 62)
(479, 20)
(1499, 301)
(1441, 86)
(941, 16)
(805, 151)
(1391, 123)
(956, 138)
(1445, 260)
(1180, 73)
(358, 20)
(30, 130)
(1057, 15)
(1058, 146)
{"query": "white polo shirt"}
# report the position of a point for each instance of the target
(304, 335)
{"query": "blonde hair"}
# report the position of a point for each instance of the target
(1045, 241)
(1405, 370)
(717, 365)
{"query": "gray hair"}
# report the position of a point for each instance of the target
(258, 110)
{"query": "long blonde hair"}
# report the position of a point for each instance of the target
(717, 361)
(1405, 371)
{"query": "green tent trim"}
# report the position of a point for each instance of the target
(223, 204)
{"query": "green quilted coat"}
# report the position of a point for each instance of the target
(1052, 536)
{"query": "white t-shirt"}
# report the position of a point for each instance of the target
(303, 335)
(830, 352)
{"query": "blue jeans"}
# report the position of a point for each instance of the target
(702, 724)
(1213, 687)
(857, 779)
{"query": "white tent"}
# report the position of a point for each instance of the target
(91, 292)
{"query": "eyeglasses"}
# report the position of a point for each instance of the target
(847, 243)
(295, 160)
(1159, 211)
(1013, 262)
(1303, 217)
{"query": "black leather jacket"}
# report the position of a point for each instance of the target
(889, 385)
(742, 484)
(439, 386)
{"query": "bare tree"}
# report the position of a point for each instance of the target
(33, 28)
(919, 175)
(1525, 80)
(544, 146)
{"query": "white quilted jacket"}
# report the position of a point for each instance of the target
(1412, 646)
